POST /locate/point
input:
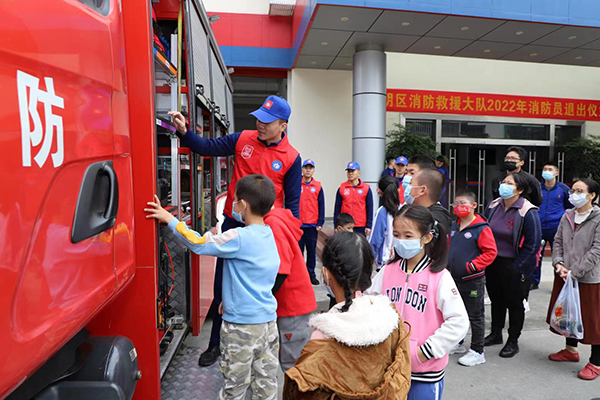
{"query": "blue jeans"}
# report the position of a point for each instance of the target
(548, 236)
(425, 390)
(213, 311)
(309, 240)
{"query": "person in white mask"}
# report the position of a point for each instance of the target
(555, 200)
(516, 227)
(577, 250)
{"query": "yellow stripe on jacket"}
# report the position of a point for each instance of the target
(190, 235)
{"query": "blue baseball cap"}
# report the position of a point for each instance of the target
(308, 162)
(402, 160)
(353, 165)
(273, 108)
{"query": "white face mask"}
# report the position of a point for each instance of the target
(578, 199)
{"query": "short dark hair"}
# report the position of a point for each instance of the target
(468, 194)
(592, 187)
(344, 219)
(521, 182)
(390, 159)
(441, 158)
(519, 150)
(258, 191)
(551, 164)
(422, 160)
(434, 180)
(390, 199)
(437, 249)
(349, 258)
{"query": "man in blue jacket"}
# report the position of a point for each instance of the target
(555, 200)
(265, 151)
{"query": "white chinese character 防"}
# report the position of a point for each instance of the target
(32, 136)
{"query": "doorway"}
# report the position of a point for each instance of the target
(474, 166)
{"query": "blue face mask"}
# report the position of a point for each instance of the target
(547, 175)
(506, 191)
(237, 216)
(326, 286)
(407, 197)
(407, 248)
(406, 181)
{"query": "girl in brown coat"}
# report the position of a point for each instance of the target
(360, 348)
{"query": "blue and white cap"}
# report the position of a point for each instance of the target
(308, 162)
(273, 108)
(353, 165)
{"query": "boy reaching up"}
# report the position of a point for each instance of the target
(472, 250)
(249, 337)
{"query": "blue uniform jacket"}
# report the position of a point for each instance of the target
(555, 202)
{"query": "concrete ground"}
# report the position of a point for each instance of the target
(529, 375)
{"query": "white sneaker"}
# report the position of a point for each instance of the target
(471, 358)
(526, 305)
(487, 301)
(458, 349)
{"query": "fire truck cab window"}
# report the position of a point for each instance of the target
(100, 6)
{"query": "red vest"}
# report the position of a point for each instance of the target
(253, 157)
(309, 202)
(354, 202)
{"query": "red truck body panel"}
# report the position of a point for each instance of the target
(77, 88)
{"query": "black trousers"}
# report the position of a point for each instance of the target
(309, 241)
(595, 357)
(507, 289)
(472, 295)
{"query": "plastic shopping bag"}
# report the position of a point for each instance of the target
(566, 313)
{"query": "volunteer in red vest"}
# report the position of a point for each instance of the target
(312, 216)
(354, 197)
(265, 151)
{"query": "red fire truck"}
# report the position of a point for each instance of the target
(93, 293)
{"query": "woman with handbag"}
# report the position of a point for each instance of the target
(577, 249)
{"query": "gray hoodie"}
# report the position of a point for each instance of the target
(579, 249)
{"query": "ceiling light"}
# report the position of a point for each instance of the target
(348, 65)
(519, 33)
(437, 47)
(345, 19)
(405, 23)
(464, 28)
(572, 37)
(487, 51)
(533, 54)
(324, 43)
(578, 58)
(313, 62)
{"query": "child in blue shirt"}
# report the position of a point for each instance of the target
(249, 336)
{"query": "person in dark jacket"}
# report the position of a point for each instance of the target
(514, 160)
(425, 190)
(516, 227)
(472, 249)
(555, 201)
(390, 170)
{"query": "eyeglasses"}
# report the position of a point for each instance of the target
(578, 191)
(512, 159)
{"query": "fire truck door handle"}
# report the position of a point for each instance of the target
(113, 198)
(98, 202)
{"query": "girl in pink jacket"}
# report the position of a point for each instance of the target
(417, 281)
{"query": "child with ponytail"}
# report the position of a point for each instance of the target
(360, 347)
(425, 295)
(381, 238)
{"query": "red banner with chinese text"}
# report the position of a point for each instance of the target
(431, 101)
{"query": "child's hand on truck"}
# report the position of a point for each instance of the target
(178, 121)
(158, 212)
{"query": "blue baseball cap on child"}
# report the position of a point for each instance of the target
(353, 165)
(273, 108)
(308, 162)
(402, 160)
